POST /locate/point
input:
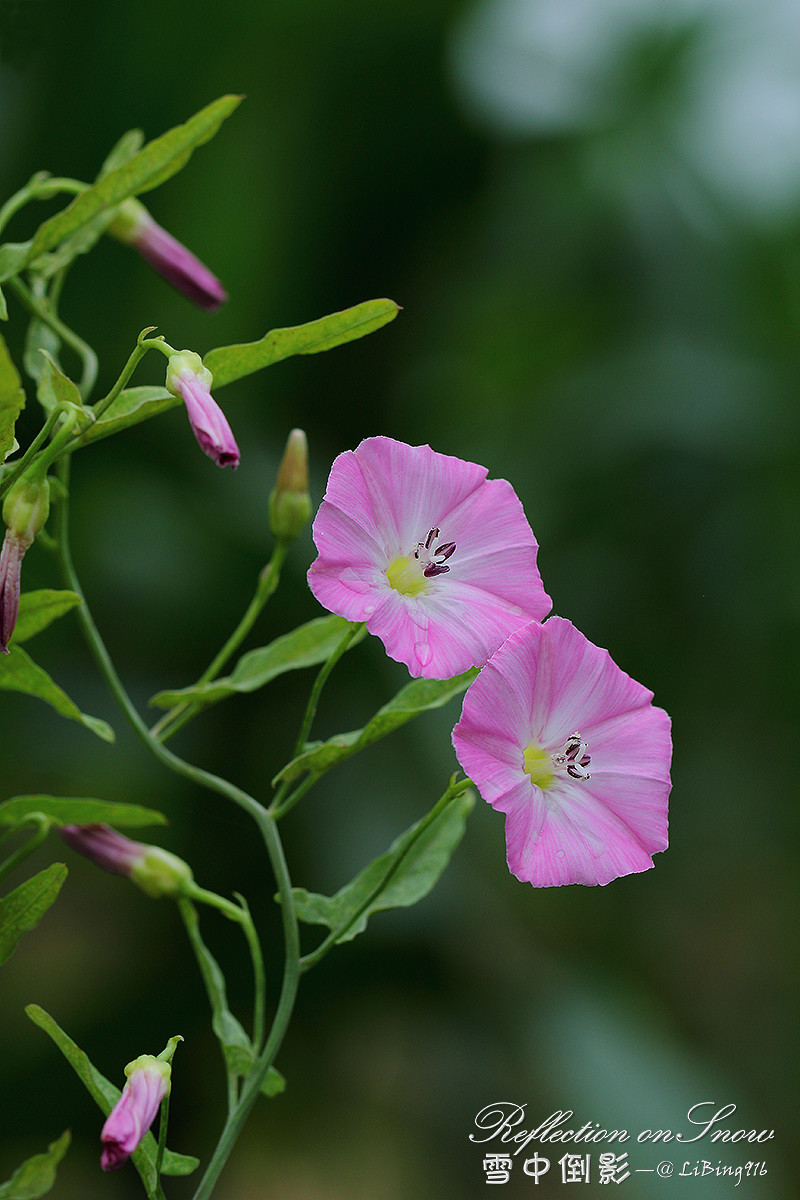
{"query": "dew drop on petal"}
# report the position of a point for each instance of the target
(559, 853)
(369, 609)
(423, 653)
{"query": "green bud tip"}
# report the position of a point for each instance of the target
(289, 502)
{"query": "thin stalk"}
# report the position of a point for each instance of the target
(38, 188)
(19, 855)
(269, 832)
(42, 310)
(319, 683)
(268, 581)
(13, 472)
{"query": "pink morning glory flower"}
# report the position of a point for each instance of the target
(191, 381)
(135, 227)
(148, 1082)
(438, 560)
(573, 751)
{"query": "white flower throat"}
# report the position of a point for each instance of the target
(408, 573)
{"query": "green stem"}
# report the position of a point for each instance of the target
(269, 832)
(291, 979)
(454, 789)
(130, 366)
(319, 683)
(12, 473)
(41, 309)
(268, 581)
(38, 188)
(36, 839)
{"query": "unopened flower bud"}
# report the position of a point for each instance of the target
(148, 1082)
(25, 511)
(191, 381)
(134, 226)
(156, 871)
(289, 502)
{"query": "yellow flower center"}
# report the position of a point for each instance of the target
(405, 576)
(539, 765)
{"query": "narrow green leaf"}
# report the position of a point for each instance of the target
(151, 166)
(228, 363)
(105, 1095)
(399, 878)
(78, 810)
(12, 400)
(306, 646)
(3, 307)
(23, 909)
(19, 673)
(236, 1045)
(54, 386)
(38, 609)
(36, 1175)
(416, 697)
(130, 407)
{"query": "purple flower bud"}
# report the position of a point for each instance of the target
(135, 227)
(133, 1114)
(11, 555)
(191, 381)
(155, 871)
(25, 511)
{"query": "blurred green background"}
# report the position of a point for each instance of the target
(589, 211)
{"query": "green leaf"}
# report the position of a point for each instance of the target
(12, 400)
(228, 363)
(151, 166)
(105, 1095)
(305, 646)
(19, 673)
(3, 307)
(399, 878)
(37, 610)
(129, 408)
(78, 810)
(54, 386)
(23, 909)
(416, 697)
(36, 1175)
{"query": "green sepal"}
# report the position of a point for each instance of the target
(54, 387)
(105, 1095)
(228, 363)
(148, 168)
(37, 610)
(19, 673)
(416, 697)
(23, 909)
(78, 810)
(306, 646)
(36, 1175)
(397, 879)
(12, 400)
